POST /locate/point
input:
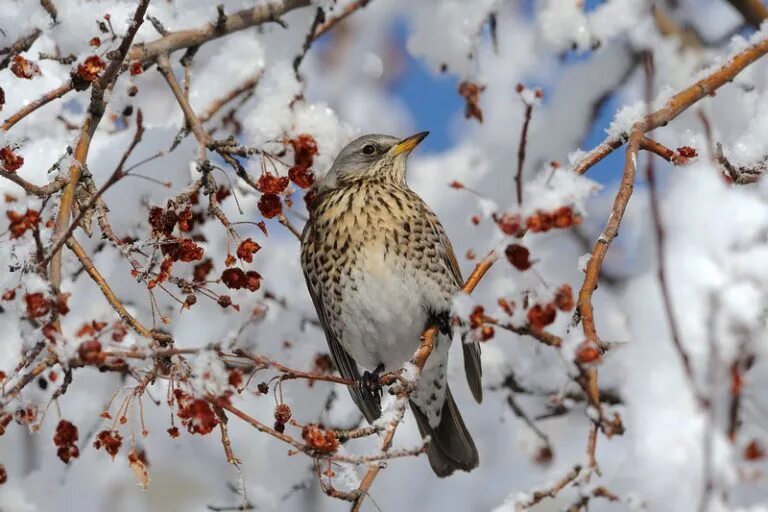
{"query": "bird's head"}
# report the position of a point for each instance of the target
(370, 157)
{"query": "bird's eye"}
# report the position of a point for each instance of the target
(368, 149)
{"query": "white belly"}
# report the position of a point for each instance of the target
(382, 312)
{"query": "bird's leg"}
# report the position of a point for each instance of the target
(442, 321)
(371, 381)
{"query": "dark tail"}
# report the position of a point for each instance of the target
(451, 446)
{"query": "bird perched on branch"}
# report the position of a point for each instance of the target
(380, 270)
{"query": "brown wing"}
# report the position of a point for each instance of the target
(472, 364)
(367, 402)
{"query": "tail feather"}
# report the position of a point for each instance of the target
(451, 446)
(473, 368)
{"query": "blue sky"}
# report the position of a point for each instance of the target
(434, 102)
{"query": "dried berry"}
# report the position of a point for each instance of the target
(588, 352)
(61, 303)
(136, 68)
(754, 451)
(263, 388)
(509, 223)
(519, 256)
(269, 205)
(470, 91)
(90, 352)
(233, 278)
(247, 249)
(476, 319)
(541, 316)
(304, 150)
(3, 475)
(9, 160)
(119, 331)
(323, 364)
(539, 222)
(687, 152)
(282, 413)
(189, 251)
(252, 280)
(196, 414)
(95, 42)
(563, 217)
(202, 270)
(486, 332)
(564, 298)
(543, 455)
(162, 221)
(319, 439)
(268, 183)
(111, 440)
(89, 69)
(19, 224)
(173, 432)
(65, 439)
(225, 301)
(37, 305)
(302, 176)
(235, 378)
(24, 68)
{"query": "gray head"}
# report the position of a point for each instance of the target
(370, 156)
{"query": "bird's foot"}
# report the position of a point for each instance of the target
(371, 381)
(442, 321)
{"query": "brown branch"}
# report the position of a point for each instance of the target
(753, 11)
(288, 373)
(164, 66)
(680, 102)
(320, 26)
(116, 176)
(23, 44)
(664, 152)
(39, 191)
(50, 8)
(42, 100)
(418, 360)
(520, 413)
(220, 103)
(739, 175)
(116, 304)
(521, 154)
(551, 492)
(584, 304)
(240, 20)
(526, 330)
(348, 10)
(289, 225)
(90, 123)
(148, 53)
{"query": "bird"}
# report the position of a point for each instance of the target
(380, 269)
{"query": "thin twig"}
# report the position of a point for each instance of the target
(521, 154)
(34, 105)
(95, 112)
(679, 103)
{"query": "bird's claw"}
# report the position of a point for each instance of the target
(371, 381)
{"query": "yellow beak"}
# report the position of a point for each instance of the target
(407, 145)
